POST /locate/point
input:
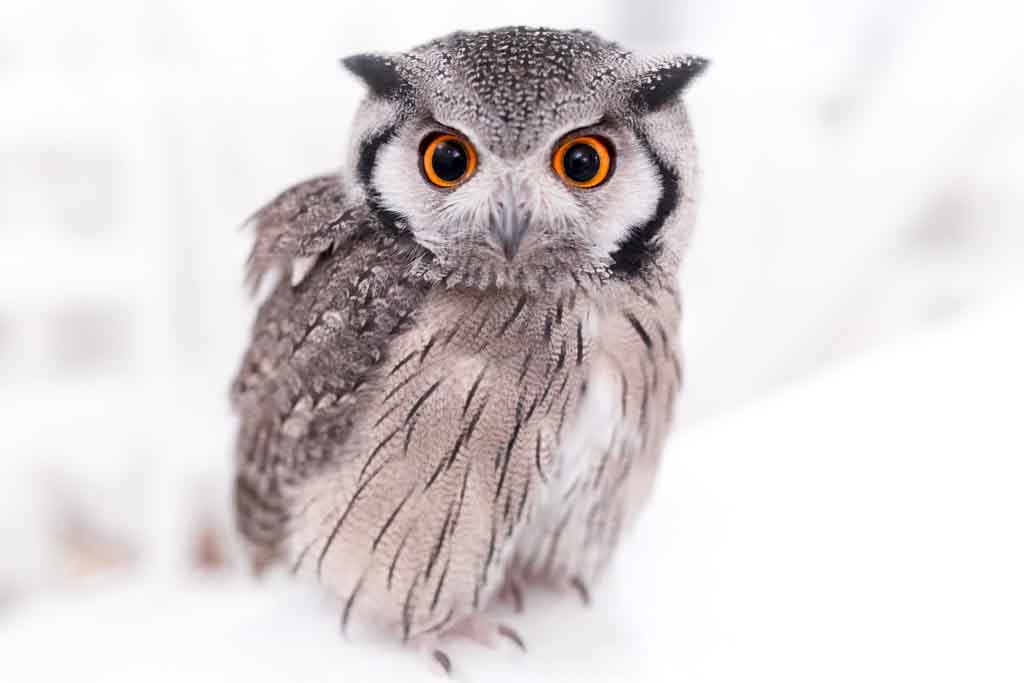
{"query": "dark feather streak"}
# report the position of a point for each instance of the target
(536, 458)
(639, 328)
(507, 459)
(515, 314)
(472, 390)
(341, 520)
(390, 520)
(436, 551)
(579, 342)
(348, 605)
(377, 449)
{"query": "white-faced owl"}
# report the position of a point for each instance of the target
(462, 380)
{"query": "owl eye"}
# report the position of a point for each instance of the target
(447, 159)
(583, 162)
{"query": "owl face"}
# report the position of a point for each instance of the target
(525, 157)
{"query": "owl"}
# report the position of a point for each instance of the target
(461, 379)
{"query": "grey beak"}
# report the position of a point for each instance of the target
(510, 220)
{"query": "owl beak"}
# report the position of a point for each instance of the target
(510, 219)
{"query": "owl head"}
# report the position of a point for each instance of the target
(526, 157)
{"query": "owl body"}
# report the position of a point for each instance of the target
(454, 387)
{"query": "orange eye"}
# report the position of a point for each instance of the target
(583, 162)
(448, 159)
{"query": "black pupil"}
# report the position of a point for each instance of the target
(581, 162)
(449, 160)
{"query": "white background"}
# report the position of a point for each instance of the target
(841, 498)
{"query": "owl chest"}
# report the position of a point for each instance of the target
(608, 455)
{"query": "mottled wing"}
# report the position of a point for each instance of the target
(313, 343)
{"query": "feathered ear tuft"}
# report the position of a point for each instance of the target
(378, 72)
(659, 86)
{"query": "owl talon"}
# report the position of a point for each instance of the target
(512, 635)
(428, 644)
(443, 660)
(581, 589)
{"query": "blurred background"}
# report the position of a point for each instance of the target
(863, 176)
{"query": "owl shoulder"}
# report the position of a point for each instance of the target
(299, 224)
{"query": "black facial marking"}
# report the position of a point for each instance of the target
(380, 74)
(364, 168)
(659, 87)
(641, 245)
(368, 154)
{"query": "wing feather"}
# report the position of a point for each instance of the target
(316, 338)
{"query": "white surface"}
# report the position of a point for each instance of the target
(866, 525)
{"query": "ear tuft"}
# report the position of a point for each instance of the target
(661, 85)
(379, 73)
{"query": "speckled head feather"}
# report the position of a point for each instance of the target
(519, 81)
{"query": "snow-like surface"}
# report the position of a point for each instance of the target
(865, 525)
